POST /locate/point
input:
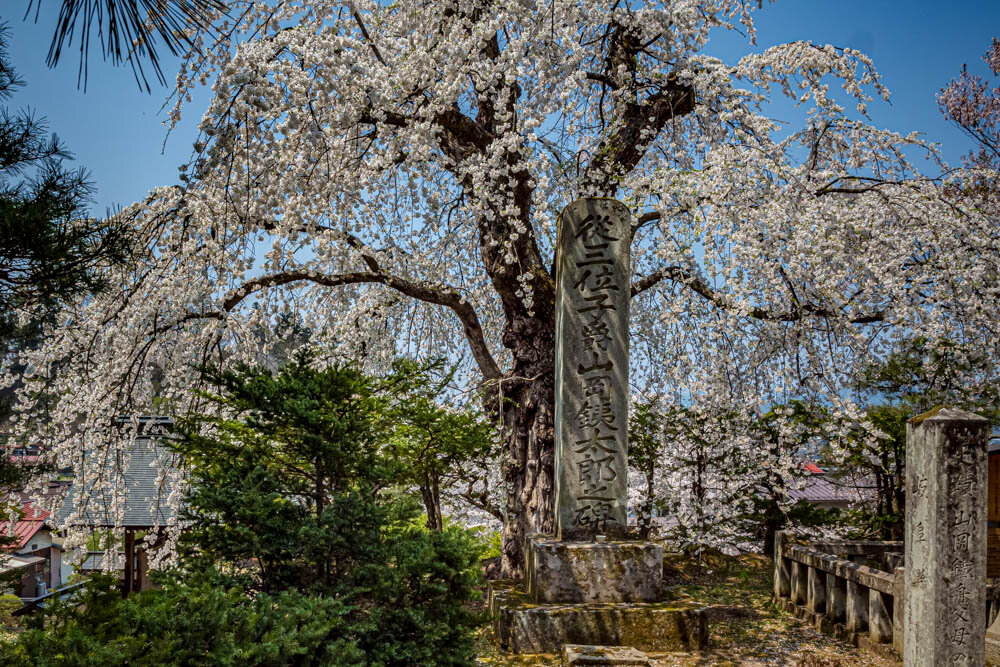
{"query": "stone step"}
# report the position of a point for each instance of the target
(578, 655)
(523, 626)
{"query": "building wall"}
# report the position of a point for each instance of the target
(42, 540)
(29, 581)
(55, 567)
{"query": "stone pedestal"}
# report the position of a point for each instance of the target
(596, 594)
(594, 572)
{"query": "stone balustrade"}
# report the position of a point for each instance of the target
(827, 585)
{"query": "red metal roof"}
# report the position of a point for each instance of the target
(813, 468)
(26, 527)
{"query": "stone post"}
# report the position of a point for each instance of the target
(799, 583)
(879, 617)
(836, 598)
(782, 568)
(857, 607)
(945, 539)
(898, 609)
(816, 595)
(591, 374)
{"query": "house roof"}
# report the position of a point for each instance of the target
(811, 467)
(144, 494)
(26, 527)
(8, 563)
(822, 489)
(95, 561)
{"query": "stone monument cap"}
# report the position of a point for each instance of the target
(946, 413)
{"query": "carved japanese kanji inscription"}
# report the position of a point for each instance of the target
(592, 297)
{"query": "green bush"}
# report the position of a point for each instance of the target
(8, 605)
(300, 548)
(197, 621)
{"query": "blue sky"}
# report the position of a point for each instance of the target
(117, 132)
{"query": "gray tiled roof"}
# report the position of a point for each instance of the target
(821, 489)
(145, 501)
(95, 561)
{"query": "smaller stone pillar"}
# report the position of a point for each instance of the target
(898, 609)
(945, 539)
(857, 607)
(836, 598)
(782, 568)
(816, 596)
(879, 617)
(799, 583)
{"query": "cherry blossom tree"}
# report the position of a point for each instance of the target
(970, 103)
(973, 106)
(391, 174)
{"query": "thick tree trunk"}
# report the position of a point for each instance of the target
(431, 508)
(646, 512)
(431, 495)
(527, 408)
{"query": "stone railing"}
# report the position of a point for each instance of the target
(826, 584)
(829, 585)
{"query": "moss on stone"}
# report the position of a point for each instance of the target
(927, 415)
(525, 626)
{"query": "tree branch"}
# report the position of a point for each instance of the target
(462, 137)
(364, 33)
(604, 79)
(622, 150)
(443, 296)
(874, 183)
(705, 291)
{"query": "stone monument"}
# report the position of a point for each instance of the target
(591, 434)
(589, 584)
(945, 581)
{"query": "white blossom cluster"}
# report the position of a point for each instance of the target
(390, 175)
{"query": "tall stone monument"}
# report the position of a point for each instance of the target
(589, 584)
(591, 434)
(945, 581)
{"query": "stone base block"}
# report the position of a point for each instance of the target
(525, 627)
(585, 572)
(577, 655)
